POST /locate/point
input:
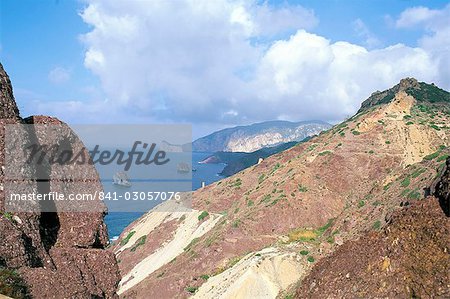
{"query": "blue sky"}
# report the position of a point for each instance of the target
(222, 64)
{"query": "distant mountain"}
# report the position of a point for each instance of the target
(256, 136)
(237, 161)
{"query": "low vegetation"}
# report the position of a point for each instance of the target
(203, 215)
(127, 238)
(139, 242)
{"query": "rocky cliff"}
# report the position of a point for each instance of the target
(259, 233)
(49, 254)
(257, 136)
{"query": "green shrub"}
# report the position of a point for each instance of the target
(236, 223)
(302, 188)
(387, 142)
(386, 187)
(304, 252)
(192, 290)
(12, 285)
(435, 127)
(442, 158)
(414, 195)
(418, 172)
(324, 153)
(204, 276)
(261, 178)
(127, 238)
(361, 203)
(356, 132)
(432, 156)
(250, 203)
(405, 183)
(203, 215)
(377, 225)
(310, 259)
(140, 242)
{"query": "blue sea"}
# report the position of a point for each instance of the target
(208, 173)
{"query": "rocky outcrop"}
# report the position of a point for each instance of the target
(408, 259)
(421, 91)
(8, 107)
(51, 254)
(257, 136)
(441, 189)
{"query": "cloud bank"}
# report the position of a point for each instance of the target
(232, 62)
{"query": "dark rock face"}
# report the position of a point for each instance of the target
(408, 259)
(442, 189)
(53, 255)
(8, 107)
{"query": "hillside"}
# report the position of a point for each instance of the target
(256, 136)
(237, 161)
(260, 232)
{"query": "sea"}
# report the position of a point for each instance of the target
(208, 173)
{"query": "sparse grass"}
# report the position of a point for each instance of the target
(377, 225)
(387, 186)
(192, 290)
(418, 172)
(442, 158)
(192, 243)
(406, 182)
(261, 178)
(324, 153)
(302, 188)
(236, 223)
(414, 195)
(139, 242)
(8, 215)
(302, 235)
(376, 203)
(250, 203)
(203, 215)
(432, 156)
(237, 183)
(127, 238)
(275, 168)
(266, 198)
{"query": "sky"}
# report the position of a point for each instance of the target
(216, 63)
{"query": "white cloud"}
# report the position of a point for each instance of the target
(59, 75)
(436, 40)
(415, 15)
(219, 61)
(370, 40)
